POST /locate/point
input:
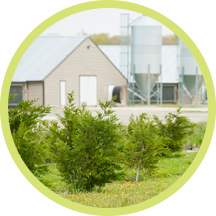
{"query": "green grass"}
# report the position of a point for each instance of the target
(195, 139)
(126, 192)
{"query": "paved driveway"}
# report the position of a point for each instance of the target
(123, 113)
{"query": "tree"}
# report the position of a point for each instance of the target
(145, 145)
(105, 39)
(169, 39)
(101, 39)
(28, 132)
(86, 148)
(114, 40)
(175, 129)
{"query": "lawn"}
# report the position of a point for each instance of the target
(126, 192)
(195, 139)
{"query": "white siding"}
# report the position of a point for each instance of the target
(82, 62)
(35, 91)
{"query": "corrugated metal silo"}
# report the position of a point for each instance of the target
(189, 70)
(146, 43)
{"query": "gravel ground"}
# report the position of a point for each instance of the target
(196, 115)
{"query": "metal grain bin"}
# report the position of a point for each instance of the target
(146, 43)
(189, 70)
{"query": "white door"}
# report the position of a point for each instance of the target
(88, 90)
(63, 93)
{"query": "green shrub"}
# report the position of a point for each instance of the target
(27, 129)
(86, 148)
(145, 145)
(175, 129)
(195, 139)
(26, 112)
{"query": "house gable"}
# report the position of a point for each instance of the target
(85, 60)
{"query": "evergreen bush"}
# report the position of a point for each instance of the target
(86, 148)
(145, 145)
(28, 132)
(175, 129)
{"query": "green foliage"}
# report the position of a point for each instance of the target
(105, 39)
(27, 129)
(125, 193)
(145, 145)
(170, 39)
(91, 150)
(175, 129)
(26, 112)
(11, 97)
(86, 148)
(195, 139)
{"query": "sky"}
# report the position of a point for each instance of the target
(94, 22)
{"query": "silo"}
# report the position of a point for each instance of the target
(146, 43)
(190, 74)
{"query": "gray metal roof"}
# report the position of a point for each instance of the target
(112, 52)
(47, 52)
(169, 60)
(44, 55)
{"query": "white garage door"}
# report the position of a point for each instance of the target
(88, 90)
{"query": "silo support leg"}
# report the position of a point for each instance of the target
(161, 90)
(196, 86)
(149, 85)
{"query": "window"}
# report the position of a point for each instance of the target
(18, 90)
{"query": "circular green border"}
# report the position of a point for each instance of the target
(97, 5)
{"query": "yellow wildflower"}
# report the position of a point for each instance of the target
(116, 195)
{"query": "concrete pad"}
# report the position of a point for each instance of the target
(195, 114)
